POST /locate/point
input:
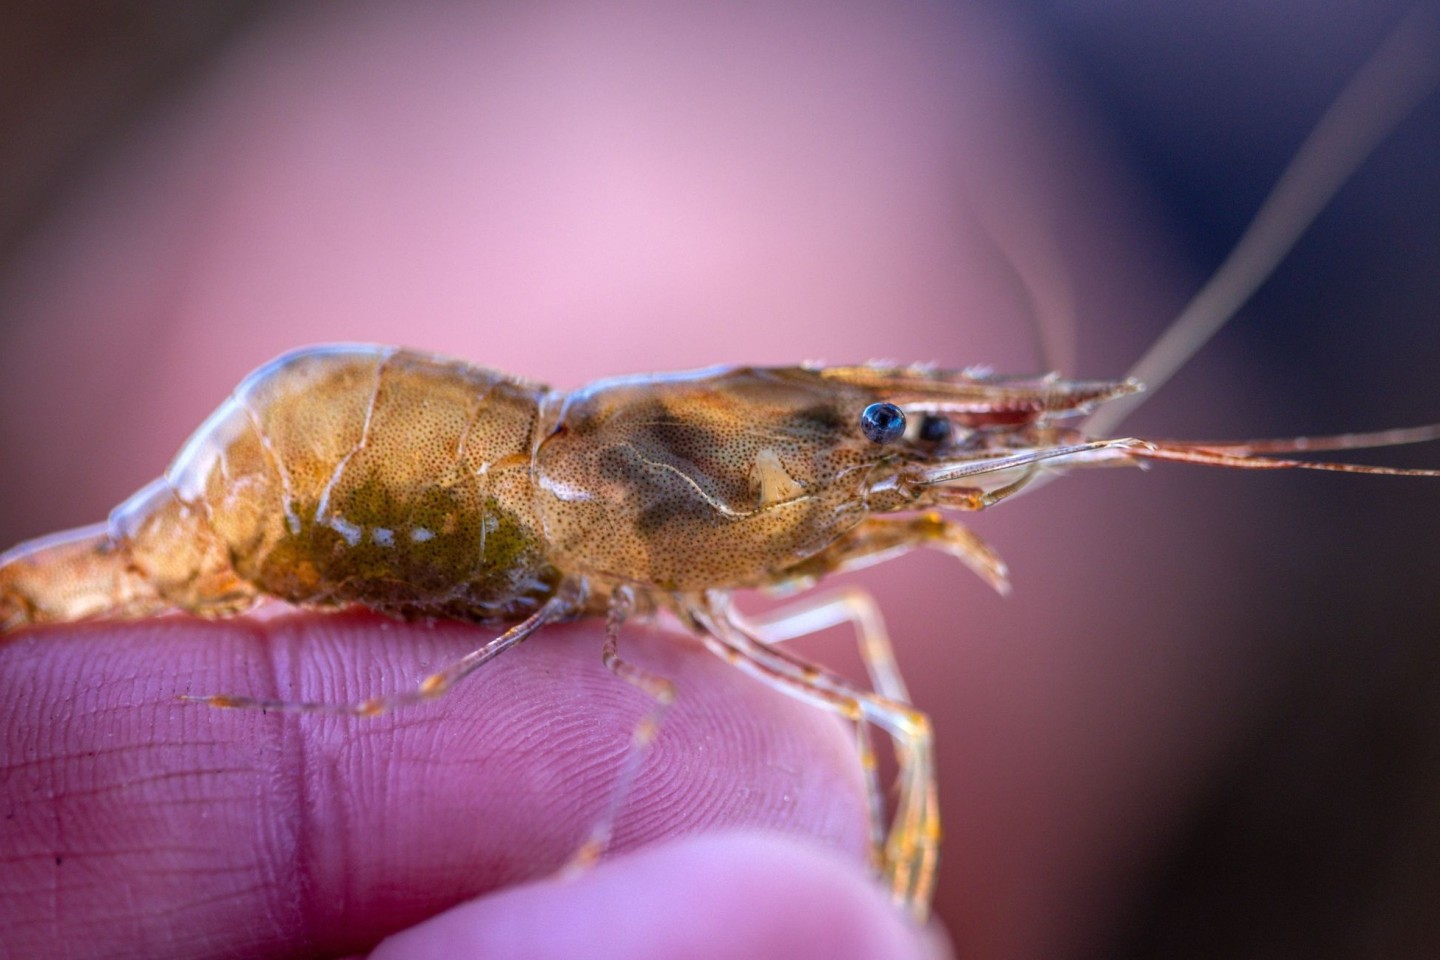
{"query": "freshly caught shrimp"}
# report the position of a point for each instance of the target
(422, 486)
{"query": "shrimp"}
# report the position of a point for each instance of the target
(418, 485)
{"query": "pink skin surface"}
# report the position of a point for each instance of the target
(149, 828)
(567, 195)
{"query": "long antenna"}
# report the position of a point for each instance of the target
(1398, 75)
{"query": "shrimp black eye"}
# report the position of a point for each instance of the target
(883, 422)
(934, 429)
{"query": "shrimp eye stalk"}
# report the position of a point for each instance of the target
(882, 422)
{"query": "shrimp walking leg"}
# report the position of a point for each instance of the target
(912, 847)
(856, 607)
(432, 687)
(849, 605)
(662, 692)
(879, 538)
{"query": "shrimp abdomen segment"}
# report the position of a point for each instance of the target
(370, 474)
(332, 475)
(74, 575)
(155, 553)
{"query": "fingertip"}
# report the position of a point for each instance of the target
(166, 822)
(734, 894)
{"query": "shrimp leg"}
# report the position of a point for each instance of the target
(872, 541)
(911, 850)
(879, 538)
(849, 605)
(856, 607)
(432, 687)
(800, 620)
(659, 689)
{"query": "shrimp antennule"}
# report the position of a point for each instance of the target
(1240, 455)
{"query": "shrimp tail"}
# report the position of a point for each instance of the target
(76, 575)
(155, 554)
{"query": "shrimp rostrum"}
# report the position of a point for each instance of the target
(422, 486)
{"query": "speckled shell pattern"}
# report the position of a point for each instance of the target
(713, 479)
(377, 475)
(420, 485)
(417, 484)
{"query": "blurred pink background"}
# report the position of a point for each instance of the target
(1206, 717)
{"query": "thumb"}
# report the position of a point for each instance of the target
(733, 894)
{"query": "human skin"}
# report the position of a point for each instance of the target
(568, 196)
(138, 826)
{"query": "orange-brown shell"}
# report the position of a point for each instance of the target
(415, 484)
(377, 475)
(714, 479)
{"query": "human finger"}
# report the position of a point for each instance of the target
(137, 825)
(731, 895)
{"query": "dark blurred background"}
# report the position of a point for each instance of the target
(1313, 828)
(1319, 837)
